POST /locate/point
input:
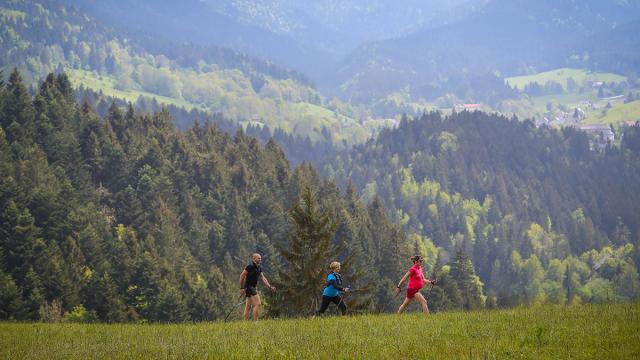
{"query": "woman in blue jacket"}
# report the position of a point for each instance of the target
(332, 290)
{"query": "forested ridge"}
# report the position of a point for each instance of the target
(128, 219)
(540, 215)
(39, 37)
(297, 148)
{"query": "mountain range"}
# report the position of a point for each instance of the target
(505, 37)
(366, 52)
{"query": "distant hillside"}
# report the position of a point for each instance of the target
(613, 50)
(196, 22)
(339, 26)
(52, 37)
(618, 114)
(309, 36)
(561, 76)
(502, 190)
(504, 38)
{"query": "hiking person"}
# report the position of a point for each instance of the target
(332, 289)
(416, 282)
(248, 283)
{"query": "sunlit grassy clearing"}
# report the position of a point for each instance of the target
(107, 85)
(617, 114)
(561, 75)
(586, 332)
(298, 118)
(12, 13)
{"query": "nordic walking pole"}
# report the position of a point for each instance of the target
(344, 295)
(233, 308)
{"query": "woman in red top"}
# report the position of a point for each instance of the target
(416, 282)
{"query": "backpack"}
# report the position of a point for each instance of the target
(338, 280)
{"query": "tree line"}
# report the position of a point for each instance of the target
(532, 207)
(126, 218)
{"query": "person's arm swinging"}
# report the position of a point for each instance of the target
(334, 283)
(243, 277)
(404, 278)
(266, 283)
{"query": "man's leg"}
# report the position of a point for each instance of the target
(247, 308)
(256, 307)
(423, 303)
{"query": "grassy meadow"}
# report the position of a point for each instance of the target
(561, 76)
(536, 106)
(107, 85)
(301, 118)
(582, 332)
(617, 114)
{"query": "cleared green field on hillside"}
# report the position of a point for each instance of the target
(12, 13)
(107, 85)
(617, 114)
(300, 118)
(583, 332)
(561, 75)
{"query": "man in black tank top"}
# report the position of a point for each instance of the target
(248, 283)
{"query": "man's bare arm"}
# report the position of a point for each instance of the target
(266, 282)
(243, 277)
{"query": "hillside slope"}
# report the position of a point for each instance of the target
(48, 37)
(505, 38)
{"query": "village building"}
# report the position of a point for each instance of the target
(467, 107)
(600, 135)
(613, 98)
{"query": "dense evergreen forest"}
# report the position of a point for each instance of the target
(128, 219)
(297, 148)
(542, 217)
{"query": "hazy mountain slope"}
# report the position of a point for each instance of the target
(613, 50)
(44, 36)
(195, 21)
(509, 37)
(344, 24)
(308, 36)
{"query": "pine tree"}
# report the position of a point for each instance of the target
(17, 116)
(103, 297)
(12, 306)
(446, 294)
(170, 305)
(307, 255)
(8, 185)
(19, 236)
(469, 284)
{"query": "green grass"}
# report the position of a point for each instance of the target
(403, 99)
(107, 85)
(300, 118)
(12, 13)
(582, 332)
(561, 75)
(617, 114)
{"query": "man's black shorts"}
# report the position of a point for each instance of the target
(250, 291)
